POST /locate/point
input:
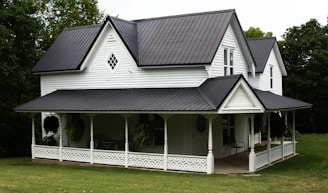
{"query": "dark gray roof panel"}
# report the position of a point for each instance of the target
(217, 89)
(175, 40)
(272, 101)
(180, 99)
(128, 33)
(183, 39)
(261, 48)
(207, 97)
(69, 50)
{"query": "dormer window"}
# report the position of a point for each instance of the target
(228, 61)
(112, 61)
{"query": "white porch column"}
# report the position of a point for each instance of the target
(294, 134)
(60, 137)
(269, 139)
(283, 138)
(126, 150)
(165, 142)
(91, 139)
(210, 156)
(33, 137)
(252, 153)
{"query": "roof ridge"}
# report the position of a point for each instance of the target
(82, 27)
(124, 20)
(261, 38)
(184, 15)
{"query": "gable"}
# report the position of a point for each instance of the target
(241, 99)
(190, 39)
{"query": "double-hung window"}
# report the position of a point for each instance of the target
(228, 61)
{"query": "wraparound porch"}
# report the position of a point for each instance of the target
(238, 163)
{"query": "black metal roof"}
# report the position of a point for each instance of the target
(272, 101)
(182, 39)
(207, 97)
(175, 40)
(69, 50)
(261, 48)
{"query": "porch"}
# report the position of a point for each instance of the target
(237, 163)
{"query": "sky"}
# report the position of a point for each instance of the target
(270, 16)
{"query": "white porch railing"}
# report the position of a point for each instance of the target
(187, 163)
(268, 156)
(135, 159)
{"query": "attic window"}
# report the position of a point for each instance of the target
(112, 61)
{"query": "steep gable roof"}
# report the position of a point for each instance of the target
(261, 49)
(69, 49)
(174, 40)
(182, 39)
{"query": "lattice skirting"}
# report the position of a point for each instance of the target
(134, 159)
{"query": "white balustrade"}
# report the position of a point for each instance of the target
(288, 150)
(109, 157)
(262, 158)
(187, 163)
(147, 160)
(76, 154)
(49, 152)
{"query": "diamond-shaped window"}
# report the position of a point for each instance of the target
(112, 61)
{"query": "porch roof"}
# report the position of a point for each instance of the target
(208, 97)
(272, 101)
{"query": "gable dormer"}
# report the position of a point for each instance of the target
(270, 67)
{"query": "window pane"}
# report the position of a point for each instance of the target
(225, 57)
(231, 70)
(231, 57)
(225, 71)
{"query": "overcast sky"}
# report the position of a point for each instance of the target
(275, 16)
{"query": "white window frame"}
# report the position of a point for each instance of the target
(109, 66)
(228, 61)
(271, 76)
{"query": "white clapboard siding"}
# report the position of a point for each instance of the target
(262, 80)
(229, 41)
(98, 74)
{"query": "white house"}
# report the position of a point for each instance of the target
(194, 77)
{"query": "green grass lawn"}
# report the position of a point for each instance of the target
(307, 172)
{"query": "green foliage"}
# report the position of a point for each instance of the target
(75, 128)
(256, 33)
(305, 53)
(56, 15)
(27, 28)
(142, 135)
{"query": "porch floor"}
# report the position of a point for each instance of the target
(237, 163)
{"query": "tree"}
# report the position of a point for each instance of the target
(56, 15)
(256, 33)
(19, 34)
(305, 53)
(27, 28)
